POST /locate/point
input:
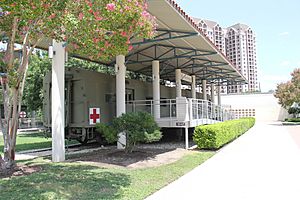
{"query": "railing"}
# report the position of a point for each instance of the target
(25, 123)
(183, 108)
(167, 107)
(203, 109)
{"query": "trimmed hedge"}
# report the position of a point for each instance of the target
(292, 120)
(214, 136)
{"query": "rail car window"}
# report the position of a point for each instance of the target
(110, 98)
(129, 94)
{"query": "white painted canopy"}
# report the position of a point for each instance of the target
(179, 44)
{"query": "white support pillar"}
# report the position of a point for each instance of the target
(204, 90)
(178, 82)
(212, 92)
(186, 130)
(120, 85)
(58, 100)
(194, 87)
(156, 88)
(219, 94)
(120, 69)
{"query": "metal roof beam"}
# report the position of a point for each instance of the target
(186, 48)
(164, 34)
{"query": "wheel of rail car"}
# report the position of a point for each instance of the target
(100, 139)
(82, 141)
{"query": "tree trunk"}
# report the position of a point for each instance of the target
(11, 112)
(9, 128)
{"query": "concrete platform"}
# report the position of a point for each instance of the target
(262, 164)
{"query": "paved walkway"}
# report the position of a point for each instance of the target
(263, 164)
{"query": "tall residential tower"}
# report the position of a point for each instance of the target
(241, 51)
(238, 42)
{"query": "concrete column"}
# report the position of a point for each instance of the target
(120, 95)
(178, 82)
(58, 100)
(186, 137)
(194, 86)
(156, 88)
(120, 85)
(204, 90)
(212, 92)
(219, 95)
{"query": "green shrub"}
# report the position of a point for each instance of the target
(293, 120)
(294, 110)
(214, 136)
(138, 126)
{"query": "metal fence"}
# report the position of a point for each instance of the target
(169, 108)
(26, 123)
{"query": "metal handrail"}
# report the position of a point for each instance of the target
(200, 109)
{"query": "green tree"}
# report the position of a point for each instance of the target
(33, 91)
(289, 92)
(98, 29)
(138, 127)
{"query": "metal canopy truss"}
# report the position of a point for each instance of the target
(164, 34)
(177, 44)
(163, 52)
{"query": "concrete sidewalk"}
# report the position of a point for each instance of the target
(263, 164)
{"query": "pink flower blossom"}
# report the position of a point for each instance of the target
(96, 40)
(123, 33)
(111, 7)
(145, 14)
(107, 44)
(80, 17)
(99, 18)
(52, 16)
(130, 47)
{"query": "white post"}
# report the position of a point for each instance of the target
(120, 95)
(194, 86)
(156, 88)
(58, 100)
(212, 96)
(178, 82)
(219, 95)
(212, 92)
(204, 90)
(120, 85)
(186, 137)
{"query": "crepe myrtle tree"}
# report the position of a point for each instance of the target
(99, 29)
(289, 92)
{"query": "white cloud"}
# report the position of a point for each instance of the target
(284, 33)
(285, 63)
(275, 78)
(289, 64)
(270, 81)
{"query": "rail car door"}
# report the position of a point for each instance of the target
(129, 98)
(77, 111)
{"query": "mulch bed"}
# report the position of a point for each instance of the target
(118, 157)
(20, 170)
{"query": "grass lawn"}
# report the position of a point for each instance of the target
(82, 181)
(29, 141)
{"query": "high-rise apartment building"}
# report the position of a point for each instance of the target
(241, 51)
(213, 31)
(238, 43)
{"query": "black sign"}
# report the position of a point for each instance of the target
(180, 123)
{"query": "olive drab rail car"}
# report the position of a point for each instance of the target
(90, 98)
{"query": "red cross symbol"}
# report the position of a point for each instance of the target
(94, 115)
(22, 114)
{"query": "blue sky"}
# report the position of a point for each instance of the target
(277, 28)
